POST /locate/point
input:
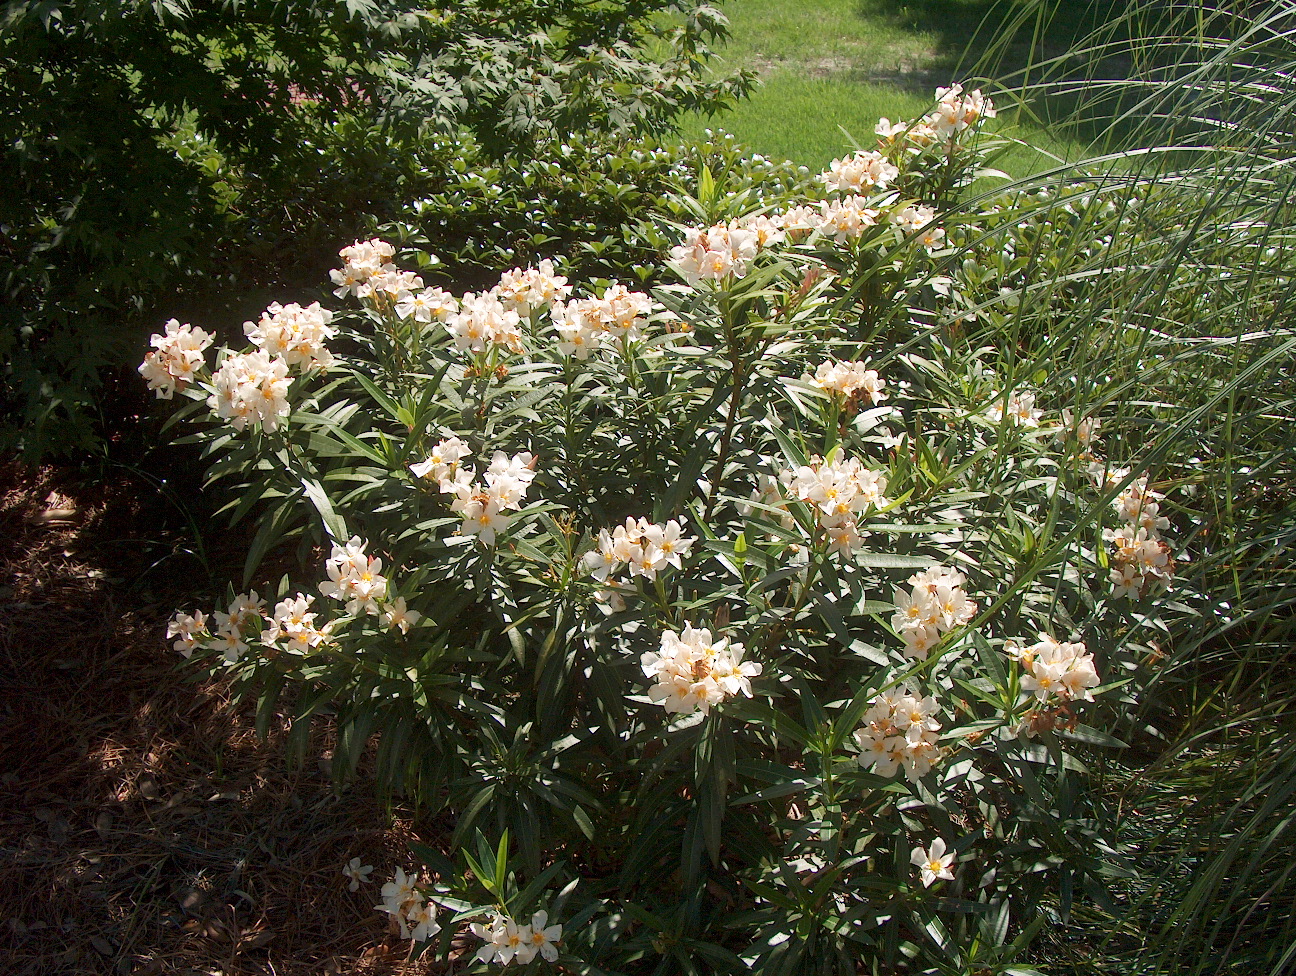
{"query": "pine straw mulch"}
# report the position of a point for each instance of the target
(144, 827)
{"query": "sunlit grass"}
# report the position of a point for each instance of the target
(830, 69)
(813, 120)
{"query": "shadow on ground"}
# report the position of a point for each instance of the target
(144, 826)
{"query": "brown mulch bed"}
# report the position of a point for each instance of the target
(144, 827)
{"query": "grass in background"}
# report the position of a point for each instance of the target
(831, 68)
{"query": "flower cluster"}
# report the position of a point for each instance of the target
(442, 464)
(917, 135)
(176, 355)
(934, 605)
(235, 625)
(482, 322)
(955, 112)
(365, 261)
(415, 915)
(506, 940)
(355, 578)
(899, 730)
(843, 220)
(915, 218)
(1056, 669)
(535, 288)
(645, 547)
(251, 389)
(483, 506)
(1019, 407)
(1142, 558)
(295, 334)
(583, 324)
(228, 633)
(426, 304)
(188, 631)
(852, 380)
(293, 623)
(860, 173)
(839, 491)
(691, 672)
(715, 253)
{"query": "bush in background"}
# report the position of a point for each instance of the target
(166, 152)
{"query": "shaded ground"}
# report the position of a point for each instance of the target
(143, 826)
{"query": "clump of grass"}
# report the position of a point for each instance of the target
(1198, 106)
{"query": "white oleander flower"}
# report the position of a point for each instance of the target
(899, 731)
(545, 940)
(246, 608)
(492, 933)
(932, 238)
(251, 390)
(958, 110)
(186, 628)
(691, 672)
(768, 230)
(913, 218)
(915, 136)
(846, 219)
(1019, 408)
(933, 863)
(397, 615)
(505, 941)
(1085, 429)
(714, 253)
(428, 304)
(1140, 506)
(799, 221)
(484, 507)
(399, 894)
(388, 288)
(355, 578)
(482, 322)
(295, 334)
(444, 460)
(839, 493)
(935, 604)
(364, 260)
(644, 547)
(358, 872)
(535, 288)
(860, 173)
(419, 921)
(177, 355)
(850, 379)
(1058, 669)
(294, 623)
(227, 637)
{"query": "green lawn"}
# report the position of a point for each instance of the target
(830, 68)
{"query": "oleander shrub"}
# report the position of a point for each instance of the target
(786, 615)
